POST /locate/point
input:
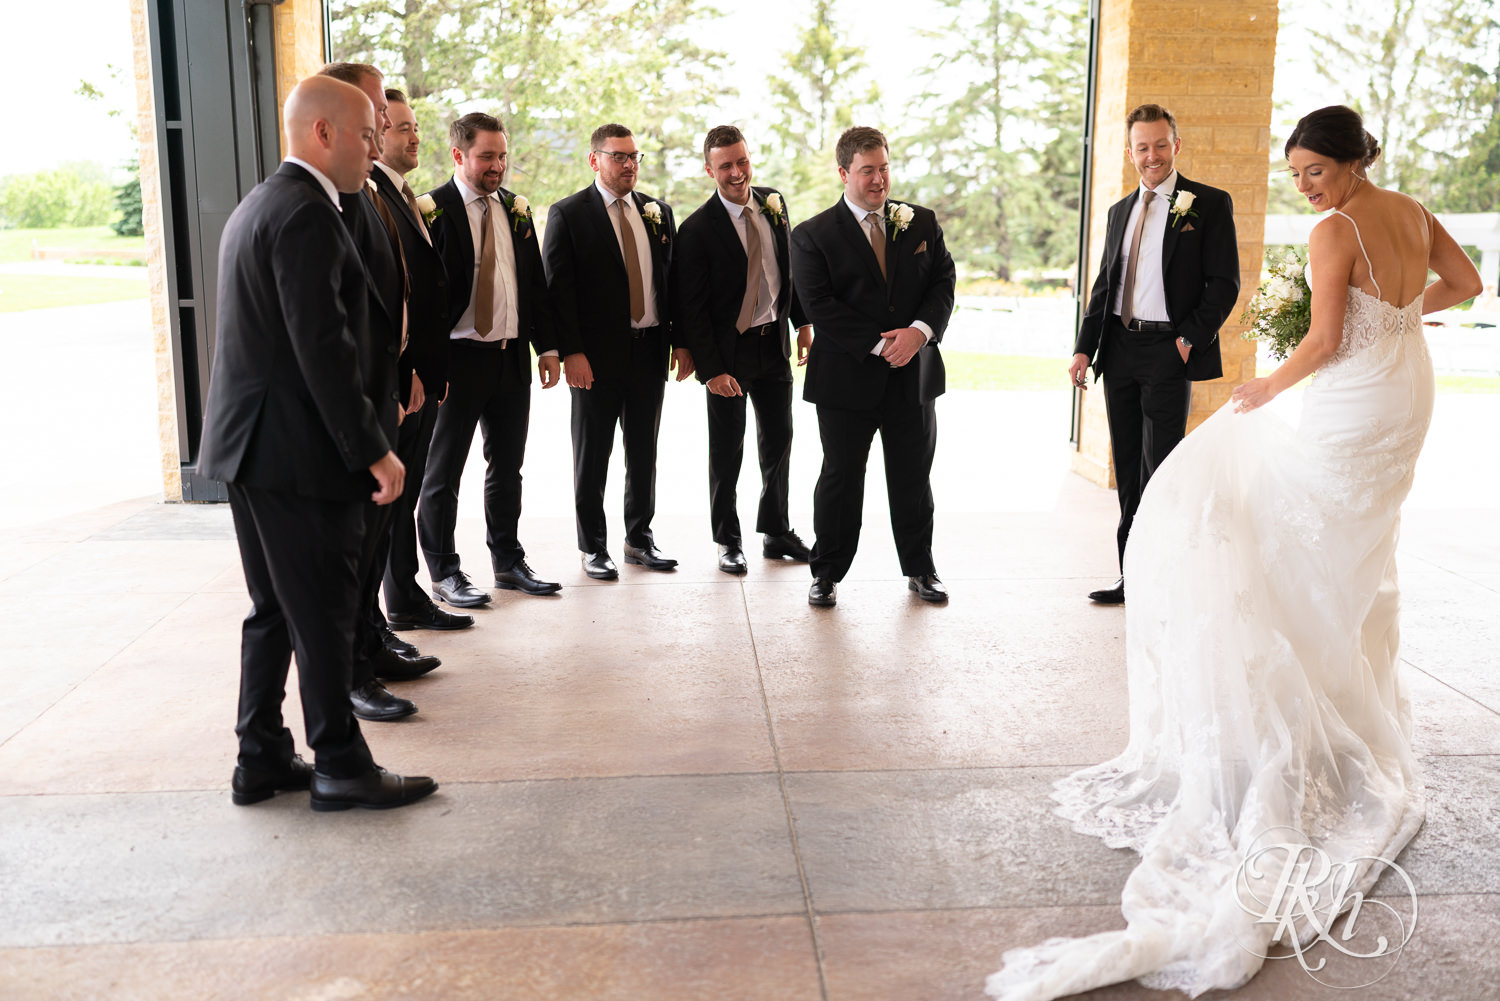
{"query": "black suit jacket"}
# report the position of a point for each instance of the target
(300, 376)
(382, 257)
(849, 304)
(428, 322)
(1200, 262)
(535, 316)
(709, 283)
(590, 290)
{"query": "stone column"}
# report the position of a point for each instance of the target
(1210, 64)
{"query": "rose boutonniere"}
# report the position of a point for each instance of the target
(651, 212)
(775, 210)
(897, 218)
(1181, 203)
(520, 212)
(428, 208)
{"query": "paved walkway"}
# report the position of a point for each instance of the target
(677, 786)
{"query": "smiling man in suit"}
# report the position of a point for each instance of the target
(608, 256)
(297, 423)
(877, 282)
(734, 299)
(498, 295)
(1168, 281)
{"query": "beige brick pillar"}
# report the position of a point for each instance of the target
(1211, 64)
(299, 53)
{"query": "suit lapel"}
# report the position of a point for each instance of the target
(723, 228)
(654, 236)
(854, 235)
(595, 209)
(451, 200)
(783, 259)
(896, 247)
(1169, 237)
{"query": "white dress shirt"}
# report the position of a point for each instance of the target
(643, 241)
(321, 178)
(506, 324)
(859, 220)
(1150, 289)
(749, 214)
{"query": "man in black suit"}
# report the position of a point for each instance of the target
(877, 283)
(497, 295)
(1169, 279)
(424, 363)
(377, 652)
(608, 257)
(294, 423)
(732, 312)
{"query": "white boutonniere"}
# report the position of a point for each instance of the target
(774, 209)
(428, 208)
(897, 218)
(651, 212)
(520, 211)
(1181, 203)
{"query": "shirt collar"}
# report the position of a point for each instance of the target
(395, 176)
(470, 195)
(322, 179)
(1166, 188)
(859, 213)
(733, 209)
(609, 196)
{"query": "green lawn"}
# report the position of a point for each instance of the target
(84, 245)
(18, 292)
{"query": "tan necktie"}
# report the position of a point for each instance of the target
(755, 271)
(632, 265)
(390, 229)
(484, 289)
(411, 199)
(1127, 303)
(877, 239)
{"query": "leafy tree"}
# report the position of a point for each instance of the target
(128, 204)
(824, 91)
(1467, 53)
(1009, 71)
(75, 194)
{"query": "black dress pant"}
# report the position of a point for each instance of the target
(1147, 396)
(634, 403)
(489, 387)
(369, 623)
(908, 441)
(300, 557)
(413, 441)
(766, 381)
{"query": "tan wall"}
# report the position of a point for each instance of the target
(299, 52)
(1211, 64)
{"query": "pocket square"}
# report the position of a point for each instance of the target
(1188, 228)
(921, 249)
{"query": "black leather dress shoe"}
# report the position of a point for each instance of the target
(649, 557)
(395, 644)
(599, 566)
(372, 702)
(251, 785)
(375, 790)
(928, 587)
(1110, 595)
(786, 546)
(392, 666)
(459, 590)
(732, 559)
(431, 617)
(522, 578)
(824, 593)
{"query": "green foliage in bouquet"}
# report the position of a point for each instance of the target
(1281, 309)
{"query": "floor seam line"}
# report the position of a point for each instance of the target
(786, 803)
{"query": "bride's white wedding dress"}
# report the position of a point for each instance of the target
(1261, 646)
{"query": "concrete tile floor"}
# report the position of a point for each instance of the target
(675, 786)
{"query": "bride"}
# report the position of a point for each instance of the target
(1261, 637)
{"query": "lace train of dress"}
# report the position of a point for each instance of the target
(1261, 650)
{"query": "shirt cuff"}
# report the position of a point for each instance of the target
(926, 330)
(548, 354)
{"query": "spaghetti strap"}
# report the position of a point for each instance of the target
(1370, 267)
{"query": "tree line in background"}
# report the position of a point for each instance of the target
(1425, 74)
(993, 142)
(74, 194)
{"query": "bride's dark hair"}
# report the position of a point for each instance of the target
(1335, 131)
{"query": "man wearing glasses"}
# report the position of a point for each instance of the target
(608, 257)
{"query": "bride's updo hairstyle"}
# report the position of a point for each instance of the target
(1336, 132)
